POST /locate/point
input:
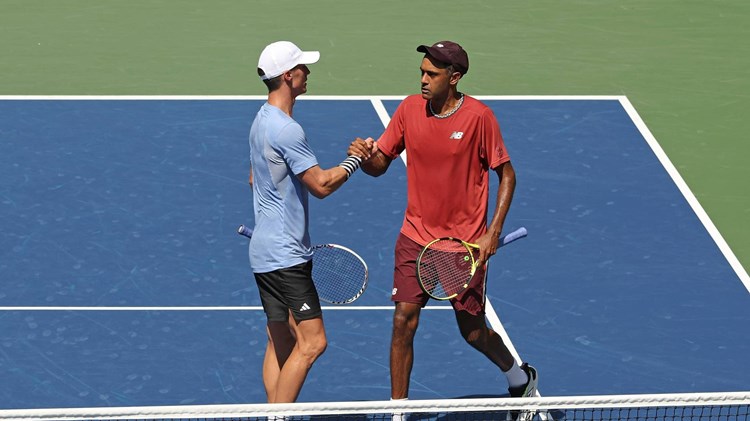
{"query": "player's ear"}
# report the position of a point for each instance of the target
(455, 77)
(288, 76)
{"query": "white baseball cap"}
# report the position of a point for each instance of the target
(282, 56)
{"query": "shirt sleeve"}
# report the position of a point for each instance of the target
(391, 142)
(493, 145)
(293, 146)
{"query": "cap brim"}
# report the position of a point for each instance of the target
(434, 52)
(309, 57)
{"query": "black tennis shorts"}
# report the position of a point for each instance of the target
(288, 289)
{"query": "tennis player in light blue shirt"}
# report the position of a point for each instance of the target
(284, 171)
(279, 151)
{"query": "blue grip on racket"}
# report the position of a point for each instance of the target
(513, 236)
(243, 230)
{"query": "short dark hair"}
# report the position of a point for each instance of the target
(273, 83)
(451, 69)
(444, 66)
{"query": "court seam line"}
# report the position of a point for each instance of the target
(695, 205)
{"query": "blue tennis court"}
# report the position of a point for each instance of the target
(125, 283)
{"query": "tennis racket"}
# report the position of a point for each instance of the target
(339, 274)
(446, 265)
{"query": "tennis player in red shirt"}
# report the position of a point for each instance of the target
(453, 143)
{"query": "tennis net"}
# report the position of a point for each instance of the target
(688, 406)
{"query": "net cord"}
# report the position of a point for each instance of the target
(378, 407)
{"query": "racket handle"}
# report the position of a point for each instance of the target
(513, 236)
(243, 230)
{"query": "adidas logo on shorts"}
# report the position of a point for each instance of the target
(304, 307)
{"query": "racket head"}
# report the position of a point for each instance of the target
(445, 266)
(340, 275)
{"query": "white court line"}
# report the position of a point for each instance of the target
(302, 98)
(686, 192)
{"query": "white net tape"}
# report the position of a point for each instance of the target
(677, 406)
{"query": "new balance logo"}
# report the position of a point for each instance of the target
(304, 307)
(457, 135)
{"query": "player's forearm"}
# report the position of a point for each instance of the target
(322, 183)
(376, 165)
(328, 181)
(504, 198)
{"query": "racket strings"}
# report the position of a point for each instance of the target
(445, 267)
(338, 275)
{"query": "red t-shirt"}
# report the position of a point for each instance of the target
(447, 166)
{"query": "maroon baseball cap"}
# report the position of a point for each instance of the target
(448, 52)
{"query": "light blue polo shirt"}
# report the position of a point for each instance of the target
(278, 152)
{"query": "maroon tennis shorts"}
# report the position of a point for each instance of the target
(406, 285)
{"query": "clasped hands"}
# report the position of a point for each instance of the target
(363, 148)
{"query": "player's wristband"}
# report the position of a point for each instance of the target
(350, 164)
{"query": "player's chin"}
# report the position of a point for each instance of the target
(426, 94)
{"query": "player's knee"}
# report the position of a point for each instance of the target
(477, 338)
(319, 345)
(404, 325)
(314, 348)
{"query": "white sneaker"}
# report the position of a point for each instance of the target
(529, 389)
(526, 391)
